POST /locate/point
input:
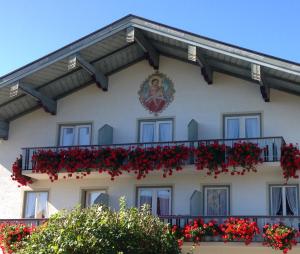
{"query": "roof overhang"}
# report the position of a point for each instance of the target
(94, 57)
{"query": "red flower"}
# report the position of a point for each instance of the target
(279, 236)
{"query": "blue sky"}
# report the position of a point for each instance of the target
(33, 28)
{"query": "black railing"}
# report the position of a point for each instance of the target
(29, 222)
(272, 147)
(181, 221)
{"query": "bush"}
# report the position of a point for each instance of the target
(101, 230)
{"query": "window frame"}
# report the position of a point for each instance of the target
(25, 194)
(283, 186)
(156, 123)
(84, 195)
(242, 116)
(76, 127)
(156, 188)
(227, 187)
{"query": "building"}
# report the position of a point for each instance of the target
(134, 82)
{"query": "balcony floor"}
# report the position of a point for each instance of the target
(233, 248)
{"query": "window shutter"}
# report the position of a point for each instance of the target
(193, 130)
(105, 135)
(196, 203)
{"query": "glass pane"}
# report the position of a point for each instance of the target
(84, 136)
(147, 132)
(233, 128)
(252, 128)
(93, 197)
(165, 132)
(163, 202)
(67, 136)
(30, 205)
(146, 197)
(42, 199)
(216, 202)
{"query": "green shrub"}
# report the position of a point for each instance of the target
(101, 230)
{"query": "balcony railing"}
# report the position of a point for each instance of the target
(272, 147)
(181, 221)
(29, 222)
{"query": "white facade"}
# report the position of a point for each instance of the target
(120, 108)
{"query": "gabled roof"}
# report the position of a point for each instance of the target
(128, 40)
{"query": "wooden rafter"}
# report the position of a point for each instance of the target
(135, 35)
(99, 77)
(46, 102)
(206, 70)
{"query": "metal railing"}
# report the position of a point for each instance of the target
(29, 222)
(181, 221)
(272, 147)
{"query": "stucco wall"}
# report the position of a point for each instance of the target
(120, 108)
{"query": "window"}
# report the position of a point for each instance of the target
(216, 201)
(36, 205)
(159, 199)
(284, 200)
(156, 131)
(93, 197)
(242, 126)
(72, 135)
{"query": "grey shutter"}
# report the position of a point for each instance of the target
(193, 130)
(102, 199)
(196, 203)
(105, 135)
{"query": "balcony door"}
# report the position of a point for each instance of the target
(242, 126)
(156, 131)
(73, 135)
(284, 200)
(36, 205)
(159, 199)
(216, 200)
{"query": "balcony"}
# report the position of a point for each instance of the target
(180, 221)
(271, 148)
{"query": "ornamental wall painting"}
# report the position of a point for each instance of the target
(156, 93)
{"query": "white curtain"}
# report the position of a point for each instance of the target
(84, 136)
(217, 202)
(67, 138)
(291, 194)
(276, 200)
(163, 202)
(42, 200)
(233, 128)
(30, 205)
(252, 128)
(148, 132)
(165, 132)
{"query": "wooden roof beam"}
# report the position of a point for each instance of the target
(4, 129)
(135, 35)
(99, 77)
(257, 75)
(49, 105)
(206, 70)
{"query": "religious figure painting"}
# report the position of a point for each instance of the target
(156, 93)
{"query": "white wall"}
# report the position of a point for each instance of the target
(120, 107)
